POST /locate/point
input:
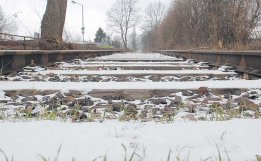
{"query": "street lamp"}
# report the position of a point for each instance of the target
(83, 28)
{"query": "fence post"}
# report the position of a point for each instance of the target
(24, 44)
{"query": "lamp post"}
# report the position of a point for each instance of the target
(83, 28)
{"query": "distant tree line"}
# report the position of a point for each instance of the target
(204, 23)
(7, 24)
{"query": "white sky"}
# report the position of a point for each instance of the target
(30, 13)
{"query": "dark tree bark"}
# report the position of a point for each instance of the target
(53, 24)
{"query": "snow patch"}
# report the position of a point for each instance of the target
(87, 86)
(2, 94)
(88, 141)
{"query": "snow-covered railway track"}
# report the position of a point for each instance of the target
(206, 106)
(69, 85)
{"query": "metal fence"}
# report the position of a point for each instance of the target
(11, 41)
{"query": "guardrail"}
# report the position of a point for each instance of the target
(15, 60)
(7, 39)
(248, 62)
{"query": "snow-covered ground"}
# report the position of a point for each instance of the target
(240, 139)
(238, 84)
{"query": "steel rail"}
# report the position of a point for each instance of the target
(245, 62)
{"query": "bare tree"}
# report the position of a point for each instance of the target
(53, 24)
(7, 24)
(122, 17)
(154, 14)
(207, 23)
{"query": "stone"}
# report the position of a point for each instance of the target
(117, 107)
(155, 78)
(245, 104)
(203, 91)
(107, 94)
(131, 106)
(53, 106)
(253, 95)
(85, 102)
(83, 116)
(65, 80)
(50, 74)
(59, 96)
(28, 99)
(93, 79)
(187, 93)
(158, 101)
(176, 102)
(46, 99)
(148, 107)
(69, 99)
(37, 79)
(218, 92)
(85, 109)
(64, 108)
(215, 99)
(191, 107)
(66, 100)
(49, 92)
(131, 95)
(17, 79)
(25, 77)
(74, 79)
(162, 93)
(71, 105)
(29, 109)
(74, 93)
(54, 79)
(185, 79)
(27, 93)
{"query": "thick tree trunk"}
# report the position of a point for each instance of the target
(53, 24)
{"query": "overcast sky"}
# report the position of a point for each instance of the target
(30, 13)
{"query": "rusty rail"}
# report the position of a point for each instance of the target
(248, 62)
(15, 60)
